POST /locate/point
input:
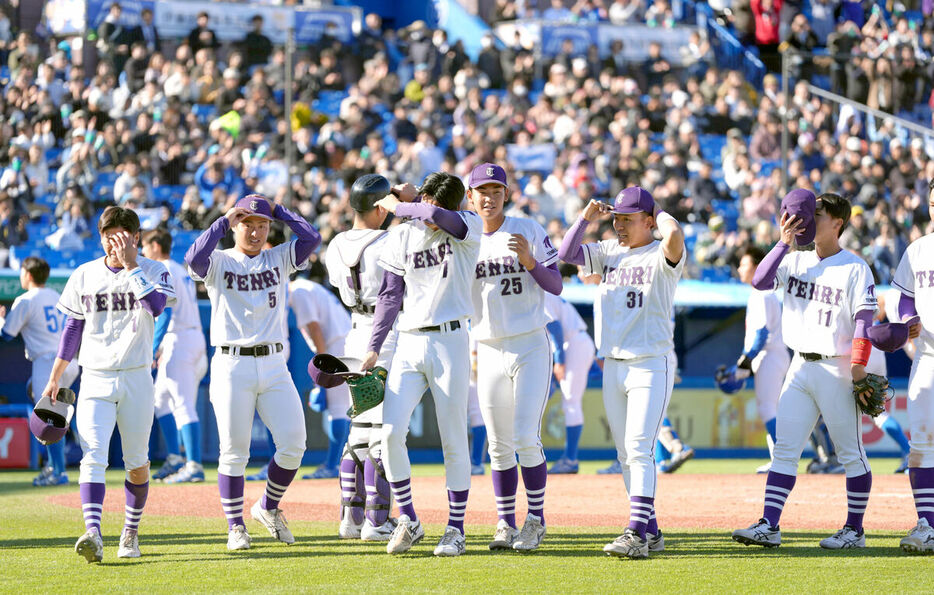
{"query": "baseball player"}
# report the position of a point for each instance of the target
(182, 364)
(34, 315)
(352, 264)
(324, 323)
(765, 356)
(574, 352)
(428, 266)
(914, 278)
(475, 416)
(639, 278)
(247, 288)
(112, 303)
(829, 302)
(515, 268)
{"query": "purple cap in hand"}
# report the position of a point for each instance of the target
(634, 200)
(487, 173)
(891, 336)
(257, 205)
(802, 204)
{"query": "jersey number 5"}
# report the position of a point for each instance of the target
(511, 286)
(52, 321)
(272, 299)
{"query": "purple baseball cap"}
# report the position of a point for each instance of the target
(634, 200)
(49, 421)
(329, 371)
(257, 205)
(891, 336)
(802, 204)
(487, 173)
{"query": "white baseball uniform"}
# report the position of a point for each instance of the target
(474, 415)
(312, 302)
(438, 271)
(636, 295)
(821, 300)
(915, 278)
(116, 358)
(764, 310)
(513, 352)
(247, 297)
(184, 360)
(34, 315)
(579, 351)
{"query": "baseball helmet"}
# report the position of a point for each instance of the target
(802, 204)
(891, 336)
(366, 190)
(329, 371)
(727, 381)
(49, 420)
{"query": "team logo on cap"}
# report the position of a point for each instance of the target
(253, 204)
(489, 171)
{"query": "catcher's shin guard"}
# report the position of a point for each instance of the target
(378, 492)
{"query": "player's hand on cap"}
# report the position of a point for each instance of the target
(595, 208)
(790, 226)
(124, 249)
(388, 202)
(51, 389)
(369, 361)
(520, 245)
(236, 215)
(559, 371)
(405, 192)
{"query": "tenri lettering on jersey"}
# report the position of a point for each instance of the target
(253, 281)
(102, 302)
(499, 266)
(634, 275)
(814, 292)
(921, 275)
(431, 256)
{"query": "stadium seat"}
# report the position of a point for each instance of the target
(204, 112)
(716, 274)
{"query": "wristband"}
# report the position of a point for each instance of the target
(662, 217)
(861, 350)
(140, 284)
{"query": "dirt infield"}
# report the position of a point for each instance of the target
(684, 501)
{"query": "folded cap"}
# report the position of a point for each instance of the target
(802, 204)
(634, 200)
(257, 205)
(891, 336)
(487, 173)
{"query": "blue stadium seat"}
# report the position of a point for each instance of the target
(53, 156)
(204, 112)
(329, 102)
(711, 146)
(278, 95)
(716, 274)
(768, 166)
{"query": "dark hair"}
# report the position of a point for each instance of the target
(837, 207)
(37, 268)
(755, 253)
(445, 188)
(160, 237)
(118, 217)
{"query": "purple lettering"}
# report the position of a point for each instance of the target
(133, 303)
(930, 278)
(623, 275)
(495, 268)
(637, 273)
(791, 284)
(100, 302)
(269, 279)
(838, 297)
(88, 302)
(256, 282)
(242, 283)
(481, 270)
(430, 258)
(419, 260)
(119, 301)
(508, 265)
(812, 286)
(278, 275)
(229, 278)
(802, 290)
(826, 294)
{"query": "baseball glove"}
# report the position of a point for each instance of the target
(366, 390)
(871, 393)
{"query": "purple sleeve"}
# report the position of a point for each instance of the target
(863, 322)
(764, 277)
(388, 305)
(548, 278)
(71, 339)
(307, 238)
(449, 221)
(154, 302)
(571, 251)
(198, 256)
(906, 307)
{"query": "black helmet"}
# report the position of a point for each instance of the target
(367, 190)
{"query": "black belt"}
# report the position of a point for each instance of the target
(363, 309)
(452, 326)
(814, 357)
(360, 424)
(254, 351)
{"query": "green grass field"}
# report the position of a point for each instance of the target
(189, 554)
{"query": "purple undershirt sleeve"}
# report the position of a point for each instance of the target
(198, 256)
(388, 305)
(449, 221)
(154, 302)
(906, 307)
(70, 342)
(548, 278)
(764, 277)
(307, 237)
(863, 320)
(571, 250)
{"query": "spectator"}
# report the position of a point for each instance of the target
(557, 12)
(129, 177)
(655, 66)
(622, 12)
(113, 37)
(800, 38)
(136, 67)
(882, 87)
(146, 32)
(256, 47)
(659, 15)
(202, 36)
(766, 14)
(230, 93)
(37, 171)
(12, 228)
(823, 19)
(702, 191)
(489, 63)
(766, 140)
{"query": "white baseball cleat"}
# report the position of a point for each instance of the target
(91, 546)
(656, 541)
(504, 536)
(348, 529)
(129, 544)
(759, 533)
(920, 540)
(628, 545)
(238, 538)
(371, 532)
(531, 535)
(453, 543)
(274, 521)
(406, 534)
(844, 539)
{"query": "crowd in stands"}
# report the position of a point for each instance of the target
(179, 129)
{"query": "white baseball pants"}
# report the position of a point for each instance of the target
(921, 411)
(813, 389)
(183, 364)
(770, 368)
(636, 394)
(513, 378)
(439, 361)
(355, 345)
(242, 385)
(123, 398)
(579, 352)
